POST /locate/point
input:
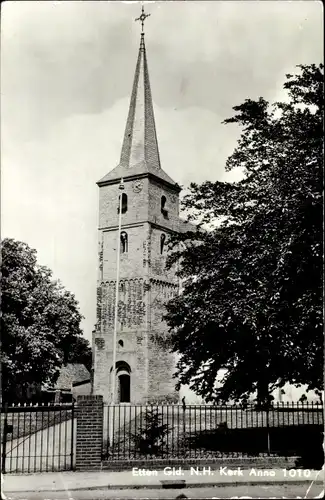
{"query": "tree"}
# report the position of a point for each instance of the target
(40, 321)
(81, 353)
(252, 299)
(150, 438)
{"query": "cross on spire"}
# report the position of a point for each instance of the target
(142, 19)
(140, 151)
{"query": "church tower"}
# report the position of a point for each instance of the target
(150, 213)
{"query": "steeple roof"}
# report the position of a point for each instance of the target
(140, 152)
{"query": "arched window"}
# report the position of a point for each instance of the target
(162, 243)
(124, 203)
(121, 343)
(124, 242)
(163, 207)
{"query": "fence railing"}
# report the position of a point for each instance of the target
(37, 438)
(207, 431)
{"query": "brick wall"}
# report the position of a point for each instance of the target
(155, 192)
(108, 204)
(89, 432)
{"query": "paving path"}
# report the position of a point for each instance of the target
(132, 479)
(242, 491)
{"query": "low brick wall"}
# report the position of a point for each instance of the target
(243, 462)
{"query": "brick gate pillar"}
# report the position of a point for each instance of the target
(89, 413)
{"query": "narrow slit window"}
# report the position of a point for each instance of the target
(124, 203)
(162, 243)
(124, 242)
(163, 207)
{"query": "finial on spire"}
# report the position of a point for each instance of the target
(142, 19)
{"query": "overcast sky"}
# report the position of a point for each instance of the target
(66, 76)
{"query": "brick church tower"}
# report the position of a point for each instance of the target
(150, 212)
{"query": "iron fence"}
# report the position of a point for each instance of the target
(37, 438)
(207, 431)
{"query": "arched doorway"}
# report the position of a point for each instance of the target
(123, 382)
(123, 387)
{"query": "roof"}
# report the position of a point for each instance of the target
(185, 226)
(121, 171)
(140, 152)
(72, 372)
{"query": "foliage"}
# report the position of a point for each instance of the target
(81, 353)
(150, 438)
(252, 298)
(163, 400)
(40, 322)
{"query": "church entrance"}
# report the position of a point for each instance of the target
(124, 388)
(123, 382)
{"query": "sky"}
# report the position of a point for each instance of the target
(66, 76)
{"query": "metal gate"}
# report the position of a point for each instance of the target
(37, 438)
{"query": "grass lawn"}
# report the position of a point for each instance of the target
(32, 419)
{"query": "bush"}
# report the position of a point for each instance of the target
(311, 451)
(304, 441)
(151, 437)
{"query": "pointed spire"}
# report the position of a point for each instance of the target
(140, 139)
(140, 154)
